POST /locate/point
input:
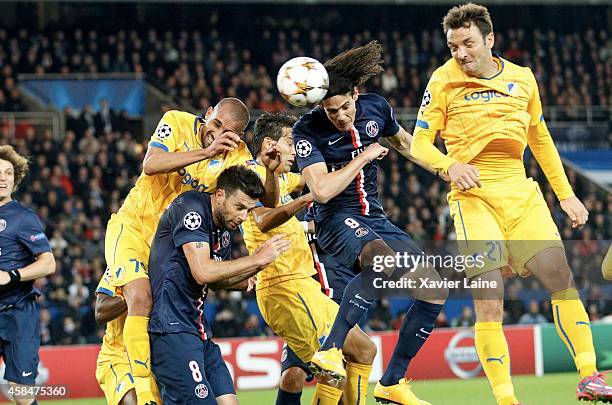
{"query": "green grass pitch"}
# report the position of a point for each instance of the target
(552, 389)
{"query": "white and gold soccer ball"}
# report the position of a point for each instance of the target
(302, 81)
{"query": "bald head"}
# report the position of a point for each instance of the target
(235, 110)
(229, 115)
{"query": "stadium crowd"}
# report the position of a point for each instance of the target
(78, 181)
(202, 65)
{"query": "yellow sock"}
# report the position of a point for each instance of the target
(136, 340)
(356, 388)
(326, 395)
(574, 329)
(493, 352)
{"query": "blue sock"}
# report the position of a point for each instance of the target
(354, 306)
(288, 398)
(416, 327)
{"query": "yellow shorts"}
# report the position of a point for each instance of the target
(115, 380)
(298, 312)
(126, 253)
(506, 223)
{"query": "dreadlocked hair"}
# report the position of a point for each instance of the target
(353, 67)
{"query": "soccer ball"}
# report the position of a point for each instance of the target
(302, 81)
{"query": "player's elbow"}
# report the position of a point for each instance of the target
(48, 264)
(205, 277)
(50, 268)
(99, 315)
(149, 168)
(264, 227)
(264, 224)
(321, 196)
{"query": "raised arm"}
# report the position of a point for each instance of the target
(401, 142)
(325, 185)
(432, 119)
(160, 160)
(422, 148)
(209, 271)
(270, 158)
(269, 218)
(239, 283)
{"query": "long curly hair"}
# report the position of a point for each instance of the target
(353, 67)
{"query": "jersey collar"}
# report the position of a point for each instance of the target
(11, 202)
(500, 66)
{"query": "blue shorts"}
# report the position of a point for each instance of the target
(331, 274)
(290, 359)
(189, 370)
(343, 235)
(20, 341)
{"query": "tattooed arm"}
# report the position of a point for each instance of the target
(209, 271)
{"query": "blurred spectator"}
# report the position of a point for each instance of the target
(252, 327)
(513, 306)
(533, 316)
(441, 320)
(465, 319)
(69, 334)
(230, 315)
(106, 119)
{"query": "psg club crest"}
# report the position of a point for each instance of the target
(201, 391)
(225, 239)
(372, 129)
(361, 232)
(2, 225)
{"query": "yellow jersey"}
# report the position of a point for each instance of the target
(296, 262)
(487, 122)
(113, 348)
(147, 200)
(177, 131)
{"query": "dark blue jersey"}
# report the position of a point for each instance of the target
(22, 238)
(317, 140)
(178, 300)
